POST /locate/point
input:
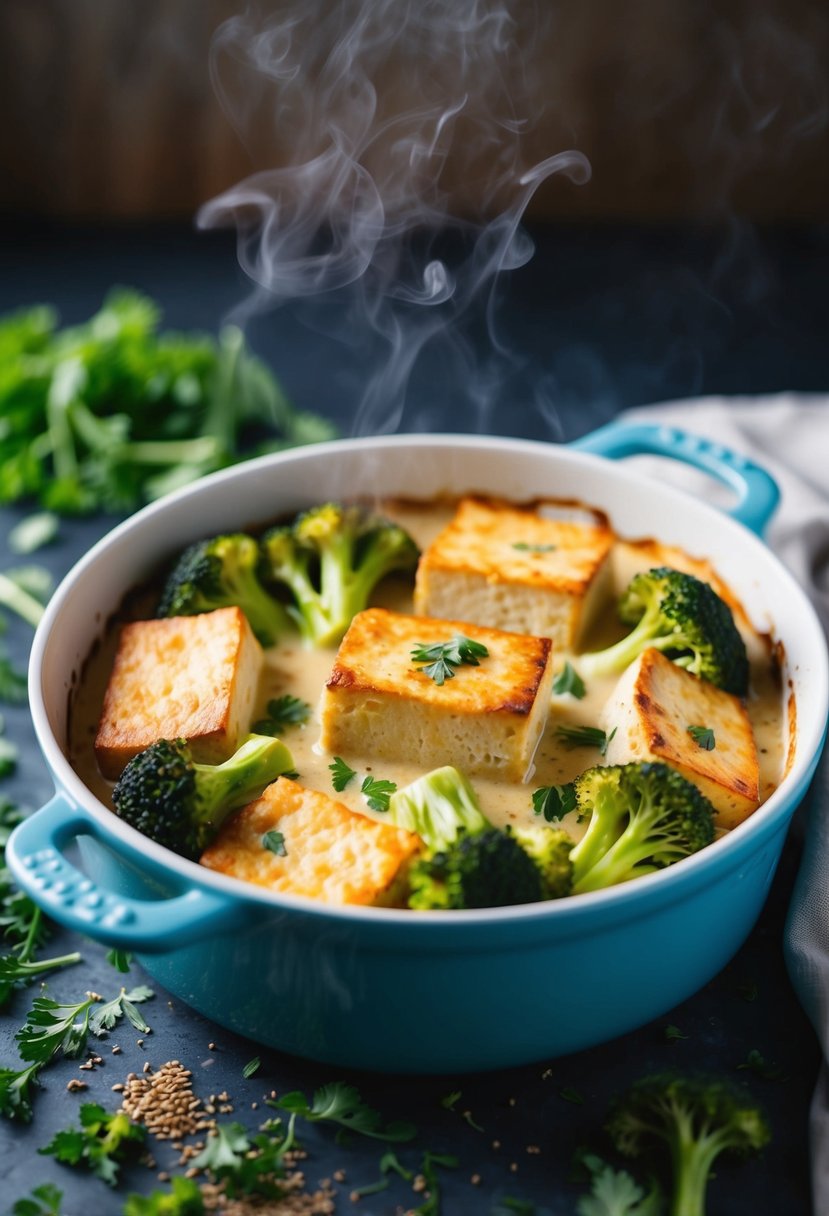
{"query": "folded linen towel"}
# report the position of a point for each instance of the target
(789, 435)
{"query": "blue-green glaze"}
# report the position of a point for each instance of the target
(391, 990)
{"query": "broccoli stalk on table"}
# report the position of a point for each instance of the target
(684, 618)
(643, 816)
(468, 863)
(220, 573)
(330, 559)
(182, 805)
(695, 1120)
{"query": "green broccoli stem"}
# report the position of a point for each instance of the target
(604, 828)
(619, 656)
(267, 617)
(223, 788)
(693, 1155)
(623, 858)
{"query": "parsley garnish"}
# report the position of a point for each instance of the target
(441, 658)
(377, 793)
(251, 1067)
(341, 1103)
(283, 712)
(703, 736)
(44, 1200)
(524, 547)
(121, 960)
(16, 970)
(275, 842)
(569, 680)
(247, 1165)
(184, 1198)
(585, 736)
(554, 801)
(672, 1033)
(105, 1016)
(341, 774)
(102, 1144)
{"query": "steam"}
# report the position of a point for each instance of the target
(397, 128)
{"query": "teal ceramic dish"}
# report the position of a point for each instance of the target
(387, 989)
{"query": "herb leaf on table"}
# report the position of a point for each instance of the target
(101, 1144)
(342, 1104)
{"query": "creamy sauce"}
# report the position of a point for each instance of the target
(291, 668)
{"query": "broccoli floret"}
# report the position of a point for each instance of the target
(550, 849)
(220, 573)
(695, 1119)
(684, 618)
(438, 807)
(483, 870)
(331, 558)
(467, 863)
(643, 817)
(166, 795)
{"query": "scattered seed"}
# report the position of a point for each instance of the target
(116, 1051)
(76, 1085)
(475, 1179)
(513, 1165)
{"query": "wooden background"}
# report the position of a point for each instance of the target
(685, 108)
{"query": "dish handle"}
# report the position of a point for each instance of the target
(35, 856)
(757, 491)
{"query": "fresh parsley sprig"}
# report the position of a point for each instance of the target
(107, 1015)
(377, 792)
(101, 1144)
(282, 713)
(248, 1165)
(15, 970)
(438, 660)
(342, 1104)
(554, 801)
(341, 774)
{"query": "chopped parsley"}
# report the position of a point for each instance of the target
(251, 1067)
(274, 842)
(554, 801)
(703, 736)
(440, 659)
(341, 774)
(569, 681)
(283, 712)
(524, 547)
(377, 792)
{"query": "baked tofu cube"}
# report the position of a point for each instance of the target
(515, 569)
(186, 677)
(486, 720)
(654, 704)
(323, 850)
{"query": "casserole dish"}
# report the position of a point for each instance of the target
(386, 989)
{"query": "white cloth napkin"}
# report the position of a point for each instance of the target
(789, 435)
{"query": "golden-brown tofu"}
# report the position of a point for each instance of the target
(326, 851)
(651, 710)
(486, 720)
(185, 677)
(516, 569)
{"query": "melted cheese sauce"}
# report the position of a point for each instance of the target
(291, 668)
